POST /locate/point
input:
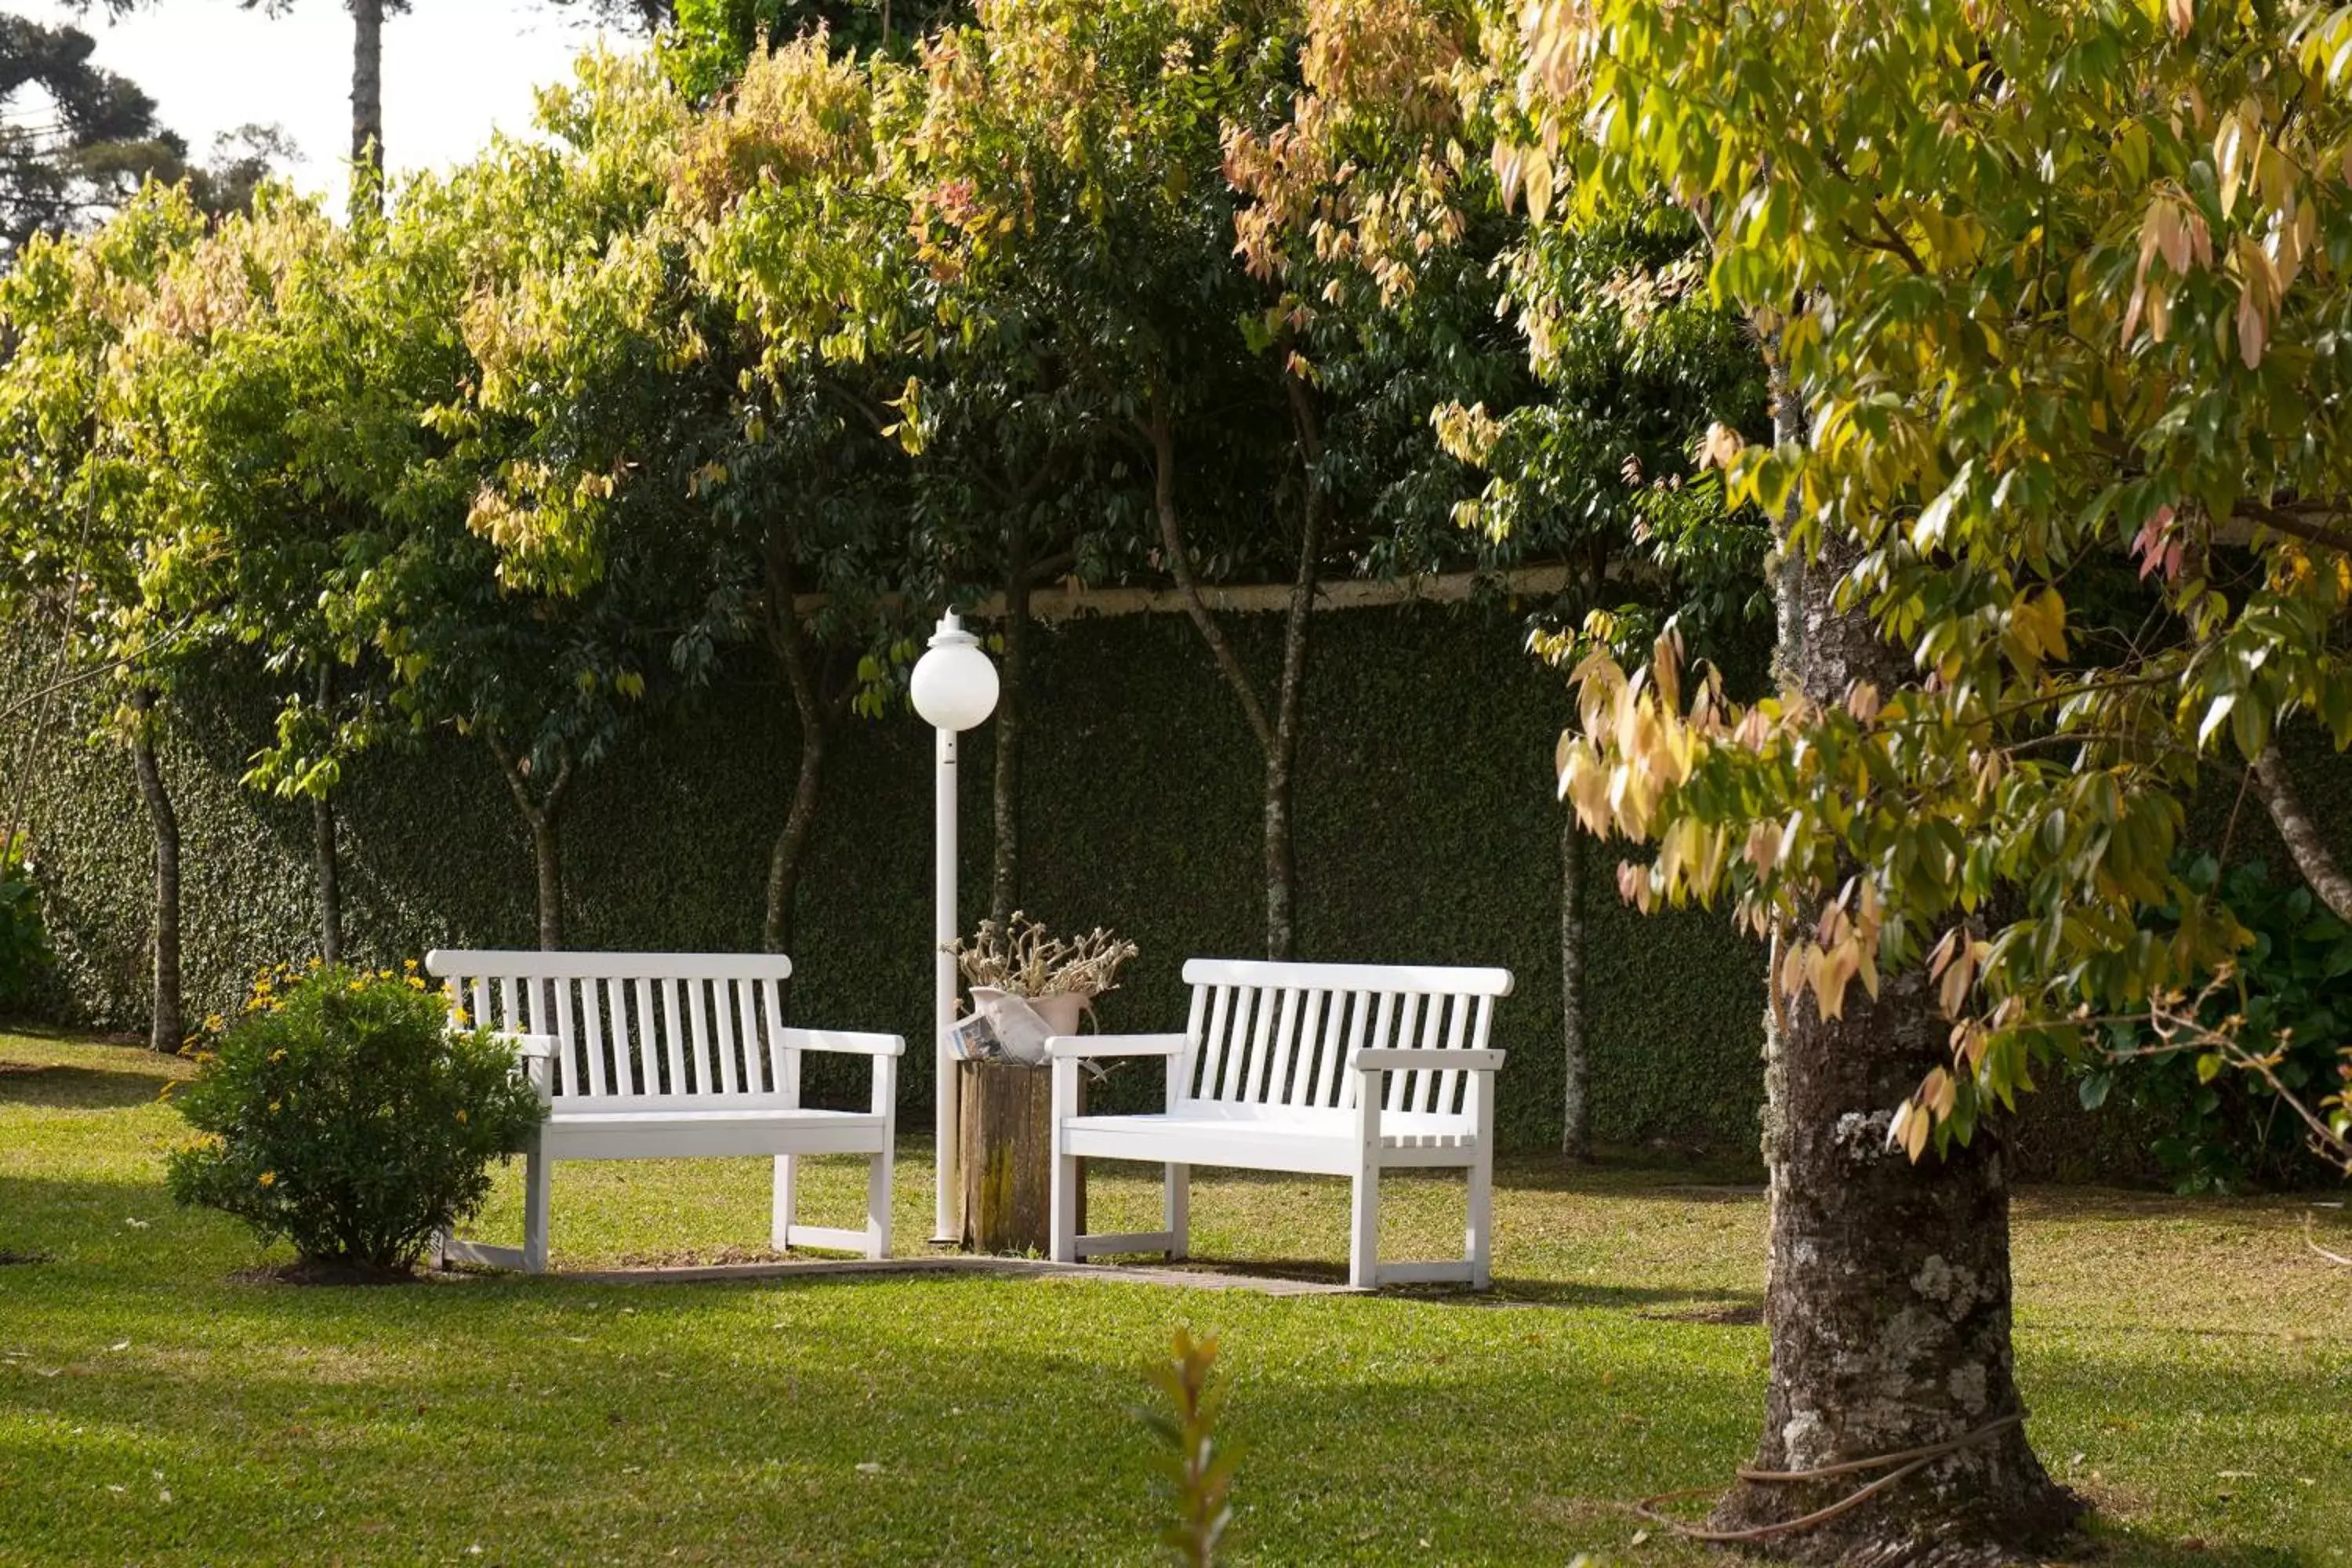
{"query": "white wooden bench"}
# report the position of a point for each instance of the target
(654, 1054)
(1338, 1068)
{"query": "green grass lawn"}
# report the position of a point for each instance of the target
(2189, 1367)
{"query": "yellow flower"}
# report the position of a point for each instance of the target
(165, 1092)
(279, 1055)
(409, 964)
(318, 963)
(458, 1017)
(273, 1107)
(414, 984)
(461, 1116)
(268, 1178)
(213, 1021)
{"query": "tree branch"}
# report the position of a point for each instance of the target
(2300, 834)
(1161, 431)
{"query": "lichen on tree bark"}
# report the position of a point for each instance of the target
(1887, 1295)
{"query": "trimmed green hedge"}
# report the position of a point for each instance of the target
(1427, 831)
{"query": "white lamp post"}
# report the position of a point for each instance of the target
(954, 689)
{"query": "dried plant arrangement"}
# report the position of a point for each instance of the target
(1022, 958)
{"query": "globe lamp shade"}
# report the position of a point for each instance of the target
(954, 685)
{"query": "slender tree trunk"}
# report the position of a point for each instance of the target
(788, 641)
(2305, 842)
(323, 849)
(165, 1027)
(331, 896)
(367, 106)
(1004, 883)
(786, 855)
(547, 863)
(542, 815)
(1576, 1064)
(1888, 1293)
(1277, 734)
(1282, 754)
(1788, 571)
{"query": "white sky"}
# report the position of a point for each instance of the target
(452, 70)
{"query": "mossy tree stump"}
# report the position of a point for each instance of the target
(1006, 1137)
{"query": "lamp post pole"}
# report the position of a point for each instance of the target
(945, 928)
(954, 689)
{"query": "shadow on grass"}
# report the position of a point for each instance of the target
(2124, 1204)
(60, 1087)
(2107, 1542)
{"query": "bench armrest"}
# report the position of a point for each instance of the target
(1067, 1048)
(1424, 1059)
(849, 1042)
(533, 1047)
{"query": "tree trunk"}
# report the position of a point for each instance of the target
(1004, 883)
(543, 816)
(1278, 735)
(1788, 570)
(784, 856)
(322, 850)
(788, 641)
(547, 862)
(1282, 751)
(1887, 1295)
(367, 106)
(1576, 1067)
(2304, 843)
(166, 1028)
(331, 896)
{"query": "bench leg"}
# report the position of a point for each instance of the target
(877, 1204)
(787, 1197)
(1179, 1212)
(1062, 1180)
(1479, 1237)
(1062, 1206)
(1364, 1228)
(536, 1170)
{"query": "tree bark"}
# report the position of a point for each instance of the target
(2304, 843)
(1576, 1065)
(547, 863)
(1004, 881)
(1788, 570)
(166, 1028)
(788, 641)
(543, 816)
(322, 850)
(367, 106)
(1888, 1293)
(1282, 756)
(331, 896)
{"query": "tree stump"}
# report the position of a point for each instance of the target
(1005, 1140)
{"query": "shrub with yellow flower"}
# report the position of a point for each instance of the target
(287, 1105)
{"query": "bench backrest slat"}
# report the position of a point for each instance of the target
(637, 1026)
(1282, 1036)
